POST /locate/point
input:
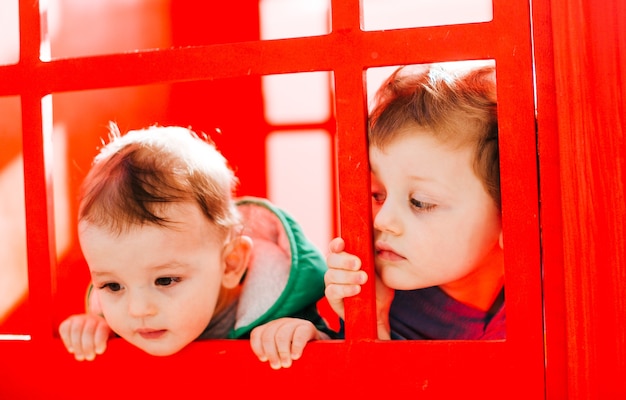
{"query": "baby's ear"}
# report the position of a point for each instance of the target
(236, 258)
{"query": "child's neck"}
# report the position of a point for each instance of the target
(480, 288)
(226, 298)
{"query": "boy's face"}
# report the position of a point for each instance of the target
(434, 222)
(157, 286)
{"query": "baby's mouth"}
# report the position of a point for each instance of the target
(147, 333)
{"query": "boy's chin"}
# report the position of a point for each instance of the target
(394, 279)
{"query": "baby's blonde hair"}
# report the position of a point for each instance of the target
(136, 175)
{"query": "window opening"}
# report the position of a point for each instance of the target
(396, 14)
(282, 19)
(301, 98)
(9, 32)
(425, 190)
(299, 171)
(13, 269)
(139, 25)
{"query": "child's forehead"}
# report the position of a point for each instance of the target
(403, 136)
(175, 216)
(150, 246)
(423, 153)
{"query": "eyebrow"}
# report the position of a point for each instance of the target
(441, 188)
(165, 266)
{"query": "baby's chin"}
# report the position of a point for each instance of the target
(161, 351)
(158, 348)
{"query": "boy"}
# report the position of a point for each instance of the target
(433, 148)
(174, 258)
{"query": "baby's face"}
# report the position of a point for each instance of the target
(157, 286)
(434, 222)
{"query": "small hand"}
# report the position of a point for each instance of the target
(85, 335)
(282, 341)
(343, 277)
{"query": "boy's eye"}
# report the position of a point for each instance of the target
(166, 281)
(378, 197)
(421, 205)
(112, 286)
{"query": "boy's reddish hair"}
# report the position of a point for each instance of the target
(460, 109)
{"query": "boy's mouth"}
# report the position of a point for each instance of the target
(386, 252)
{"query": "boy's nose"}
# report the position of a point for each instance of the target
(386, 219)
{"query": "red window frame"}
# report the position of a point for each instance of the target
(523, 366)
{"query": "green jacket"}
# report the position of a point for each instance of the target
(302, 280)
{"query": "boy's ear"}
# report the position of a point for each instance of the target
(236, 258)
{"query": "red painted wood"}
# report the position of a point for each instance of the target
(590, 71)
(360, 365)
(228, 368)
(551, 206)
(37, 190)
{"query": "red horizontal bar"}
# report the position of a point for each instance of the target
(320, 53)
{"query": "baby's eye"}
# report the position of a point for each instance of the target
(112, 286)
(166, 281)
(422, 205)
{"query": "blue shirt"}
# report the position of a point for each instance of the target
(431, 314)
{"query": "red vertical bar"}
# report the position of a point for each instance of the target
(37, 178)
(354, 200)
(346, 14)
(520, 193)
(353, 166)
(551, 205)
(30, 31)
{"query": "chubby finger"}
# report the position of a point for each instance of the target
(256, 342)
(337, 245)
(263, 344)
(344, 277)
(304, 333)
(336, 293)
(65, 333)
(88, 339)
(276, 349)
(76, 332)
(283, 339)
(101, 337)
(343, 261)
